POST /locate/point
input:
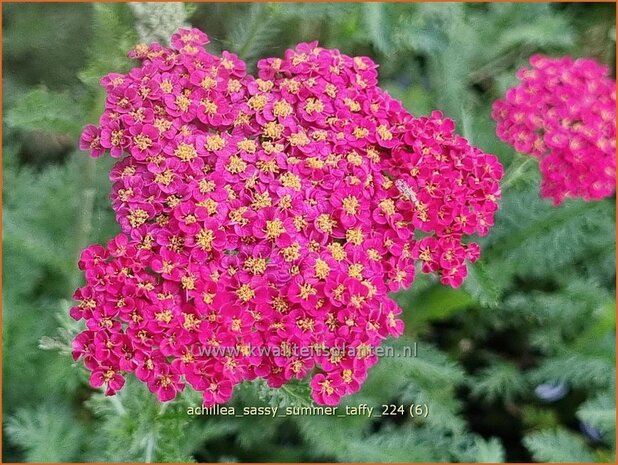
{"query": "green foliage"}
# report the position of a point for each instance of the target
(558, 445)
(113, 37)
(433, 303)
(62, 441)
(256, 31)
(580, 370)
(501, 380)
(533, 238)
(44, 110)
(376, 21)
(600, 412)
(150, 436)
(490, 451)
(292, 394)
(480, 284)
(157, 22)
(539, 307)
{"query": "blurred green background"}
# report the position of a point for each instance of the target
(517, 365)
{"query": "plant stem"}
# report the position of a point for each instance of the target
(86, 196)
(516, 173)
(498, 64)
(258, 21)
(115, 400)
(87, 176)
(150, 446)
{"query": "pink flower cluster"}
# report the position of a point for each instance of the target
(273, 213)
(564, 113)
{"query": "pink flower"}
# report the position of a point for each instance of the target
(217, 391)
(108, 377)
(325, 390)
(164, 384)
(91, 140)
(563, 113)
(191, 36)
(273, 213)
(144, 141)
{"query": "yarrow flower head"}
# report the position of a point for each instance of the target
(564, 113)
(265, 220)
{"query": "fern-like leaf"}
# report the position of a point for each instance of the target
(557, 445)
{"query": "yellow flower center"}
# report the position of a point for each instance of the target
(210, 107)
(351, 205)
(274, 229)
(245, 293)
(142, 142)
(204, 239)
